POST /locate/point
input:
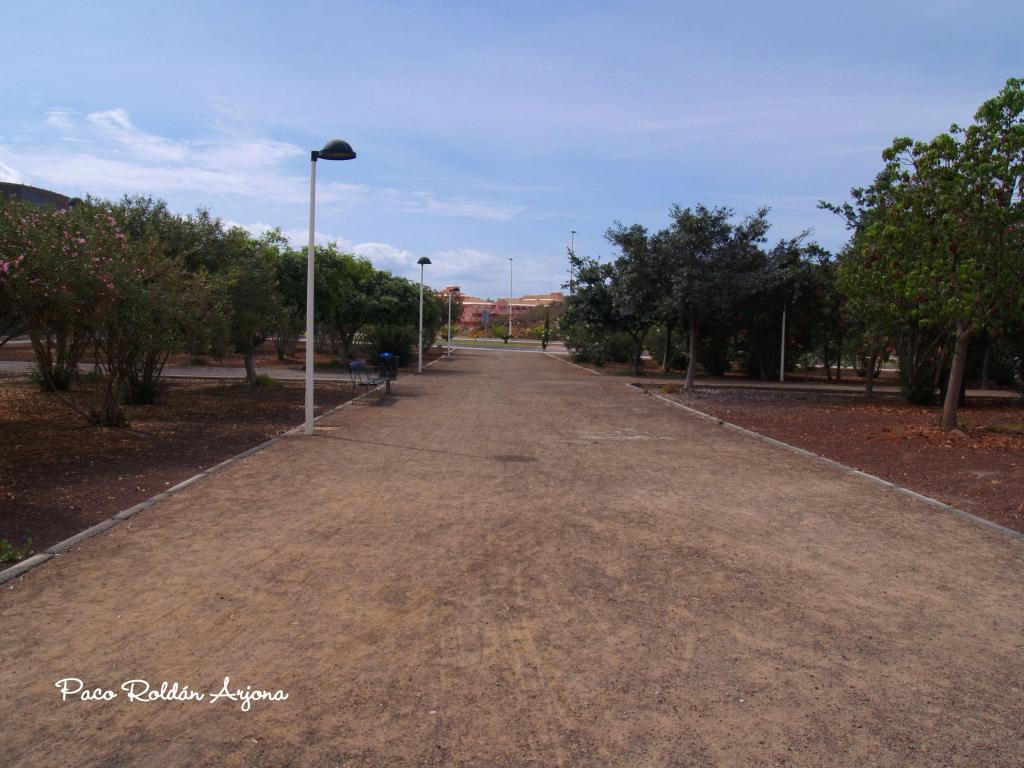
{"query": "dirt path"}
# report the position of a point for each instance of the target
(518, 563)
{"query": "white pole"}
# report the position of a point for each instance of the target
(449, 323)
(421, 319)
(510, 297)
(572, 250)
(309, 296)
(782, 350)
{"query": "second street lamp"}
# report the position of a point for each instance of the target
(422, 262)
(336, 149)
(510, 298)
(449, 350)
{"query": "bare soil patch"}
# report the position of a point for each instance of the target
(59, 476)
(979, 469)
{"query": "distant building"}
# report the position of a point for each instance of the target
(473, 307)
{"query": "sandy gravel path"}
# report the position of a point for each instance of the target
(517, 563)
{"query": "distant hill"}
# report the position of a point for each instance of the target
(36, 195)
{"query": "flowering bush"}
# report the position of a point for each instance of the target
(56, 279)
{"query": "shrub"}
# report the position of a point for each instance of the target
(588, 345)
(655, 344)
(399, 340)
(10, 554)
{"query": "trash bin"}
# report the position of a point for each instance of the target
(389, 365)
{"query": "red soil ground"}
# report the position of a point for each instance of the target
(979, 469)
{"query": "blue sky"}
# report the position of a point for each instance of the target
(487, 130)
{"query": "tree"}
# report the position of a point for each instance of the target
(939, 236)
(163, 305)
(54, 275)
(714, 265)
(351, 295)
(291, 287)
(545, 335)
(790, 279)
(252, 290)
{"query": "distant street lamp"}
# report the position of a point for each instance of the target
(335, 149)
(782, 349)
(572, 250)
(510, 297)
(422, 262)
(449, 350)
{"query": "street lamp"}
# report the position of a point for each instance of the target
(449, 324)
(422, 262)
(572, 252)
(336, 149)
(510, 298)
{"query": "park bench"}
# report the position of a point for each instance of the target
(368, 376)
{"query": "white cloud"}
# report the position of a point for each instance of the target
(426, 202)
(60, 117)
(386, 256)
(8, 174)
(105, 153)
(116, 124)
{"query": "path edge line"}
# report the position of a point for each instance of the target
(574, 365)
(844, 468)
(61, 547)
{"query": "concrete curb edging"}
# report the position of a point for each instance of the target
(23, 567)
(63, 546)
(845, 469)
(574, 365)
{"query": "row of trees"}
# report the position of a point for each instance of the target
(935, 264)
(125, 285)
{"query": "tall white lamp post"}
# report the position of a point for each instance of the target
(422, 262)
(510, 297)
(336, 149)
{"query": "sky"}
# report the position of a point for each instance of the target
(487, 130)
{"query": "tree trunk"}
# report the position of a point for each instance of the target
(869, 374)
(347, 340)
(956, 377)
(638, 351)
(691, 367)
(839, 362)
(666, 361)
(250, 367)
(984, 366)
(825, 358)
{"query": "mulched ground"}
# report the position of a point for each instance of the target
(59, 475)
(980, 470)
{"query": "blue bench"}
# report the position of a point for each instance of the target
(368, 376)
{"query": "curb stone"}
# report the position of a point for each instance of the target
(844, 468)
(23, 567)
(964, 515)
(61, 547)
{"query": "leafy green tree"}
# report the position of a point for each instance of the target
(251, 281)
(163, 305)
(622, 296)
(787, 278)
(940, 234)
(715, 264)
(351, 296)
(291, 287)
